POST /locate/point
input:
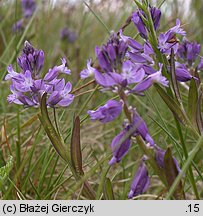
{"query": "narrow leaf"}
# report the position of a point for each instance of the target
(140, 6)
(76, 154)
(171, 173)
(108, 190)
(5, 170)
(198, 113)
(192, 101)
(50, 130)
(76, 158)
(173, 77)
(172, 105)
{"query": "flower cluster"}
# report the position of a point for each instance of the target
(28, 86)
(28, 8)
(127, 67)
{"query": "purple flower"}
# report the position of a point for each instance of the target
(189, 51)
(200, 65)
(140, 182)
(134, 45)
(13, 98)
(18, 26)
(24, 82)
(55, 71)
(61, 97)
(132, 73)
(137, 20)
(182, 73)
(111, 55)
(11, 73)
(87, 72)
(140, 58)
(150, 80)
(109, 79)
(68, 35)
(28, 7)
(28, 87)
(120, 146)
(19, 98)
(31, 59)
(159, 156)
(110, 111)
(156, 17)
(141, 128)
(168, 39)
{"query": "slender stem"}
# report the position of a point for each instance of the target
(185, 167)
(88, 99)
(191, 176)
(83, 86)
(141, 143)
(55, 120)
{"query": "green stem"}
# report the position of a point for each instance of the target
(185, 167)
(191, 176)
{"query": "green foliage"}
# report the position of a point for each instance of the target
(5, 170)
(38, 172)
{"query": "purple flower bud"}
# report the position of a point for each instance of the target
(110, 111)
(156, 16)
(111, 55)
(140, 182)
(28, 7)
(189, 51)
(182, 73)
(141, 128)
(39, 60)
(103, 60)
(120, 146)
(137, 20)
(31, 59)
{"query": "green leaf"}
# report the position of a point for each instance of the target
(108, 190)
(139, 5)
(198, 113)
(5, 170)
(50, 130)
(76, 158)
(192, 101)
(185, 167)
(172, 105)
(76, 154)
(171, 173)
(173, 76)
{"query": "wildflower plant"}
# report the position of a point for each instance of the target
(124, 68)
